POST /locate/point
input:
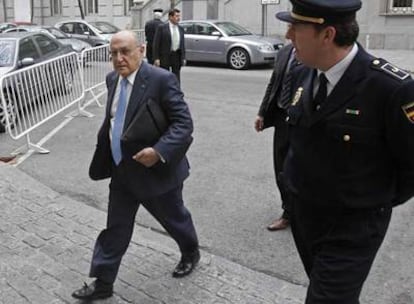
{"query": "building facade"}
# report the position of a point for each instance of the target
(385, 24)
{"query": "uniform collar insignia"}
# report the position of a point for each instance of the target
(352, 112)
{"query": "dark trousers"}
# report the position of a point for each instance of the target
(280, 149)
(337, 247)
(150, 58)
(174, 64)
(168, 209)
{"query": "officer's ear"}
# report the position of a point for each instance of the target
(329, 34)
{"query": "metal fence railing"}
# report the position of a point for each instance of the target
(96, 64)
(33, 95)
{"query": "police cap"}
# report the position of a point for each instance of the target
(319, 11)
(157, 10)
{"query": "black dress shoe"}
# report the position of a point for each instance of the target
(186, 264)
(96, 290)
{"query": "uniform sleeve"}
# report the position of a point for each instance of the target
(400, 135)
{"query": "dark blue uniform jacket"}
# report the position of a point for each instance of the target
(357, 151)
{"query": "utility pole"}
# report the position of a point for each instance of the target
(172, 5)
(81, 9)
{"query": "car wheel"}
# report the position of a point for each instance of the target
(239, 59)
(11, 111)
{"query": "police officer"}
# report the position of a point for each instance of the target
(150, 29)
(351, 153)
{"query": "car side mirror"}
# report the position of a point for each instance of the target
(216, 33)
(86, 33)
(26, 62)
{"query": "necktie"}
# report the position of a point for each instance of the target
(286, 93)
(175, 38)
(119, 123)
(322, 92)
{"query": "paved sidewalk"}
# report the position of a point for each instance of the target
(45, 249)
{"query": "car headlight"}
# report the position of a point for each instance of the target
(265, 47)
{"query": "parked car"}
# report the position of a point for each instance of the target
(227, 42)
(77, 44)
(22, 49)
(6, 25)
(95, 33)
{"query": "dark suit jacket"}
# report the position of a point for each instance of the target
(162, 87)
(269, 109)
(162, 44)
(150, 29)
(357, 149)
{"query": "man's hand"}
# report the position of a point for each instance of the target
(157, 62)
(147, 156)
(258, 124)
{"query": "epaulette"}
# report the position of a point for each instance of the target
(383, 65)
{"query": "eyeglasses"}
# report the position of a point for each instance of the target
(124, 52)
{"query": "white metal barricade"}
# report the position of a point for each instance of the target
(33, 95)
(96, 64)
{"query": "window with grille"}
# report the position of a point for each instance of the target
(91, 7)
(56, 7)
(127, 6)
(401, 6)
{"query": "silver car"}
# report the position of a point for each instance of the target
(94, 32)
(227, 42)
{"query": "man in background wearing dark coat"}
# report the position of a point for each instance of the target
(168, 47)
(272, 113)
(143, 171)
(150, 29)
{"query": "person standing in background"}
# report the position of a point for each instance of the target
(150, 29)
(272, 113)
(168, 47)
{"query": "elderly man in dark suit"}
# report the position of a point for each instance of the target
(144, 172)
(168, 47)
(272, 113)
(150, 29)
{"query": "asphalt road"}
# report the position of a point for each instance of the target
(231, 191)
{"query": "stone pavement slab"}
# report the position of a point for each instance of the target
(46, 242)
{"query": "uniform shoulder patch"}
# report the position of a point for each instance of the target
(409, 111)
(383, 65)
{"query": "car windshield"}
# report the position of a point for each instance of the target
(57, 33)
(105, 27)
(232, 29)
(7, 52)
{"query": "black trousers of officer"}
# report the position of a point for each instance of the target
(337, 247)
(168, 209)
(174, 64)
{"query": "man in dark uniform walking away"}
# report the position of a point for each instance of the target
(272, 113)
(150, 28)
(351, 150)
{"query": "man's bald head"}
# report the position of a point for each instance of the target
(126, 51)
